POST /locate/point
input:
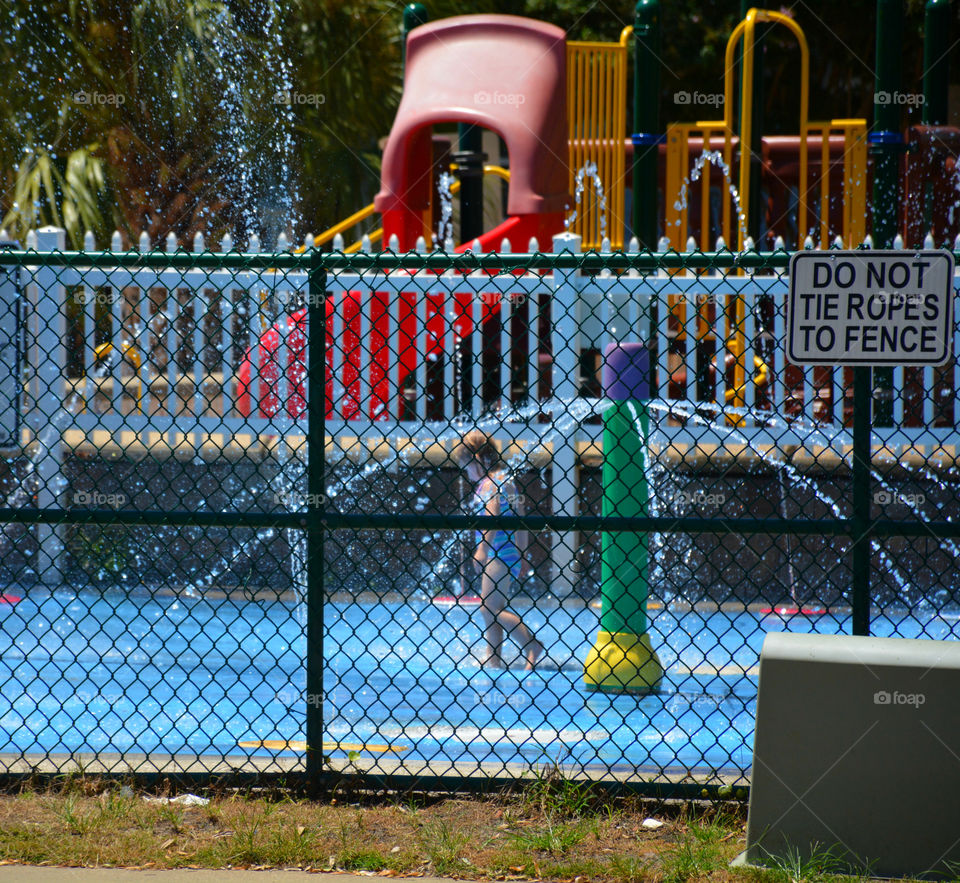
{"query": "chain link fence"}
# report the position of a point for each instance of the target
(208, 566)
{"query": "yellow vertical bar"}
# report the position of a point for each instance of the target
(706, 243)
(746, 122)
(825, 187)
(571, 116)
(847, 187)
(621, 137)
(727, 198)
(858, 196)
(684, 171)
(671, 186)
(802, 185)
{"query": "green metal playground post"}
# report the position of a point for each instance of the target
(622, 660)
(315, 525)
(886, 138)
(414, 15)
(936, 61)
(646, 121)
(886, 144)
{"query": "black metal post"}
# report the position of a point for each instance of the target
(860, 522)
(646, 121)
(936, 62)
(314, 519)
(470, 159)
(886, 146)
(886, 138)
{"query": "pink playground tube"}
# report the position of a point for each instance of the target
(502, 72)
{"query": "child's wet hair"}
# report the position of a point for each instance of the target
(476, 443)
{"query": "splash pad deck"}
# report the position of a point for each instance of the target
(175, 686)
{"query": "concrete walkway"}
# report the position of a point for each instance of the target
(33, 874)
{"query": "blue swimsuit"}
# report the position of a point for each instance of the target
(503, 547)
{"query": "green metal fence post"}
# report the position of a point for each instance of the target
(622, 660)
(315, 525)
(414, 15)
(936, 61)
(646, 121)
(886, 144)
(886, 138)
(860, 563)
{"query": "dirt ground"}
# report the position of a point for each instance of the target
(556, 831)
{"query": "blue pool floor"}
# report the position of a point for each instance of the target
(138, 673)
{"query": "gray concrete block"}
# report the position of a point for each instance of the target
(857, 751)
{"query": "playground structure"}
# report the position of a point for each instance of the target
(789, 187)
(560, 108)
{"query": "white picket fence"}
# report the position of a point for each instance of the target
(216, 315)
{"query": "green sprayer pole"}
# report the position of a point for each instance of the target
(886, 138)
(646, 121)
(936, 61)
(622, 660)
(414, 15)
(316, 455)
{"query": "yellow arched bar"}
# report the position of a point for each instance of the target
(367, 211)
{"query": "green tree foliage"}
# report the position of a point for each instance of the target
(160, 115)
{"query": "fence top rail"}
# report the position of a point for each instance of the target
(648, 261)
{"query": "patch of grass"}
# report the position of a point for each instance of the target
(552, 793)
(555, 838)
(443, 846)
(362, 860)
(702, 851)
(478, 838)
(77, 819)
(630, 868)
(792, 866)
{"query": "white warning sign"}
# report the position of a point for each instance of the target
(870, 308)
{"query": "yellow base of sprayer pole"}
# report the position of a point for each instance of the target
(620, 662)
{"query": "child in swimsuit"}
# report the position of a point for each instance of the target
(497, 553)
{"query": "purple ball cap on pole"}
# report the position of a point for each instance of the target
(626, 371)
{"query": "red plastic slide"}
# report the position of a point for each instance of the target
(501, 72)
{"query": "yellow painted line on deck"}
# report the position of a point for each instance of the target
(296, 745)
(652, 605)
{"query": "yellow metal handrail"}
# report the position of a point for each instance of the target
(367, 211)
(597, 129)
